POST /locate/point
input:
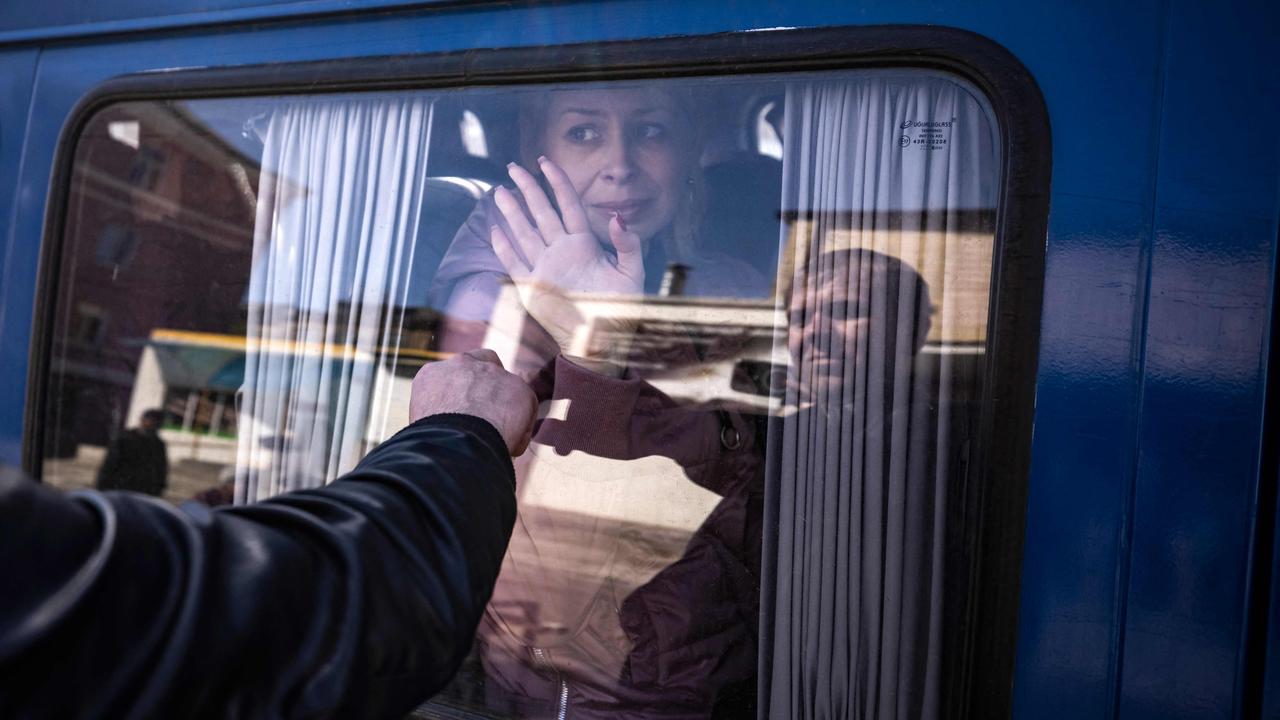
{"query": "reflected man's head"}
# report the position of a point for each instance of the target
(628, 150)
(152, 419)
(856, 305)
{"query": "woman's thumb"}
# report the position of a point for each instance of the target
(627, 245)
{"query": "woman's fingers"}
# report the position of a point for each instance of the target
(575, 217)
(546, 217)
(627, 245)
(507, 255)
(526, 237)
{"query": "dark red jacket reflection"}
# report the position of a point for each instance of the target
(630, 588)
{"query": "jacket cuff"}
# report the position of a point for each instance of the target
(599, 413)
(477, 426)
(598, 401)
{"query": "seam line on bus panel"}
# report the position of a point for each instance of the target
(11, 228)
(11, 237)
(1262, 582)
(1143, 312)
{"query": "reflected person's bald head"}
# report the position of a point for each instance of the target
(860, 284)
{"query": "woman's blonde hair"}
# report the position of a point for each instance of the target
(682, 243)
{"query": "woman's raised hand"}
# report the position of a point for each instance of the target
(557, 253)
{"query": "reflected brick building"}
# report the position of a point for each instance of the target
(159, 234)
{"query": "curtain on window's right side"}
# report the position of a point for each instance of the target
(889, 188)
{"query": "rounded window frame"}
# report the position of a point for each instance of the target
(981, 685)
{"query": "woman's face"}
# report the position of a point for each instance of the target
(627, 151)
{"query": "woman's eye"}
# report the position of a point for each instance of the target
(651, 131)
(582, 134)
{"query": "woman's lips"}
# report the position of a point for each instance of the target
(628, 209)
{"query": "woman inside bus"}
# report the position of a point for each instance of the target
(598, 167)
(589, 618)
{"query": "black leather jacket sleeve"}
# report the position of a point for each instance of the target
(359, 599)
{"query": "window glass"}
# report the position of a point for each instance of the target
(736, 298)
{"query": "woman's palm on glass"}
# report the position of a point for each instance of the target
(550, 253)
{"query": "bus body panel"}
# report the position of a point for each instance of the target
(1140, 525)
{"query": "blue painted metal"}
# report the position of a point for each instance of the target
(17, 74)
(1161, 252)
(1069, 630)
(1270, 704)
(1203, 370)
(40, 22)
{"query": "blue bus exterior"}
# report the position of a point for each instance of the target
(1147, 587)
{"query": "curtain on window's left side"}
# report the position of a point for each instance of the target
(338, 209)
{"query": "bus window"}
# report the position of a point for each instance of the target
(737, 297)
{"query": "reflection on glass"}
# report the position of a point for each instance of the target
(755, 312)
(631, 583)
(156, 252)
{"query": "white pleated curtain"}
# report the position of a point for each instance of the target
(338, 210)
(885, 168)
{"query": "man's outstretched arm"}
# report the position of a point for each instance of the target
(355, 600)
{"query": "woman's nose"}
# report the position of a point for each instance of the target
(618, 163)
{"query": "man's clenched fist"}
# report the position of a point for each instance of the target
(474, 383)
